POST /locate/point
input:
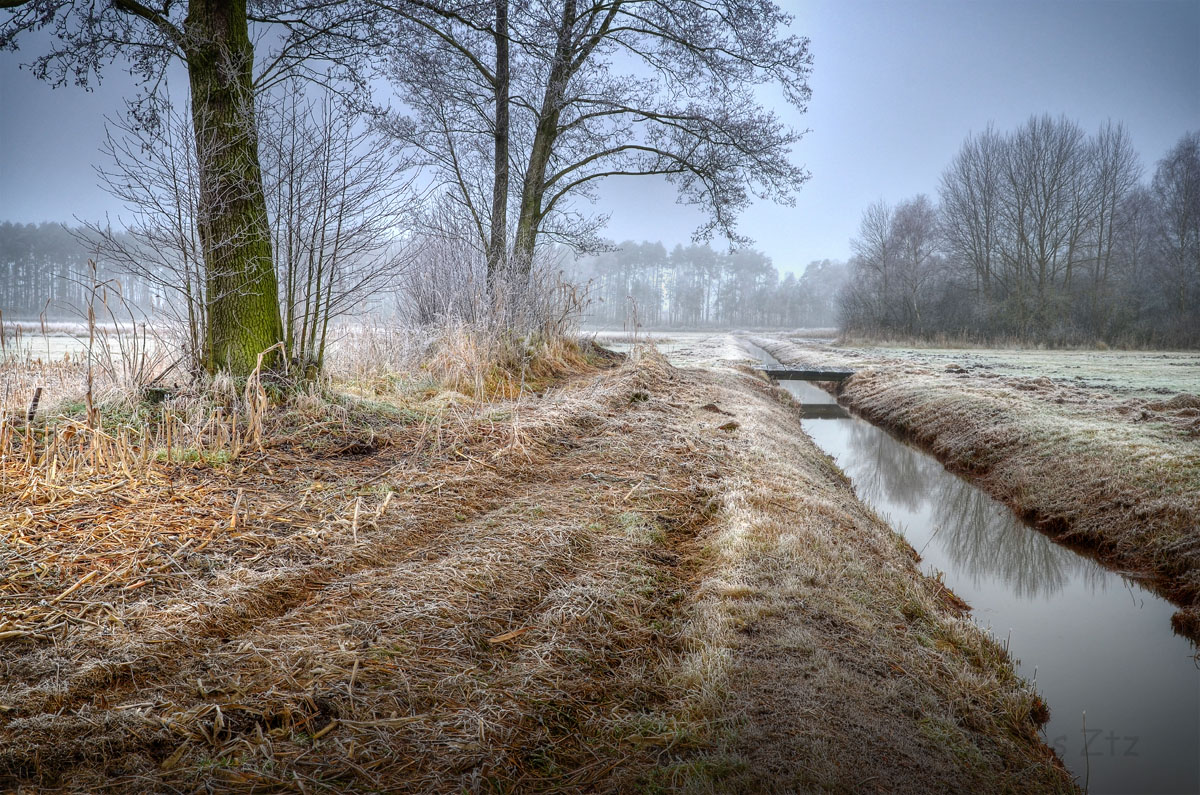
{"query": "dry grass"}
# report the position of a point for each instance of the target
(485, 364)
(853, 671)
(594, 588)
(632, 337)
(1114, 475)
(473, 594)
(23, 374)
(1103, 375)
(377, 358)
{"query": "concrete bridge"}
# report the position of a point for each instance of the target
(794, 374)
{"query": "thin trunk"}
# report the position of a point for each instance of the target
(241, 286)
(290, 191)
(498, 240)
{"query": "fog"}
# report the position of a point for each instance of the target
(896, 88)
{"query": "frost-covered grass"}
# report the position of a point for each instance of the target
(844, 657)
(1127, 373)
(612, 587)
(1113, 469)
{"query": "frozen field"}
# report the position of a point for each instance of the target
(1131, 373)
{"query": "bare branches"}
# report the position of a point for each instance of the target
(315, 40)
(341, 205)
(338, 203)
(681, 107)
(155, 18)
(1043, 234)
(1176, 189)
(87, 39)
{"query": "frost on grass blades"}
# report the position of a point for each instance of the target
(1066, 619)
(385, 423)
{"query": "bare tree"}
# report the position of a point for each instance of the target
(896, 264)
(1115, 172)
(868, 303)
(1176, 188)
(447, 287)
(1044, 218)
(448, 281)
(917, 261)
(341, 205)
(152, 171)
(970, 208)
(1045, 234)
(1138, 306)
(339, 212)
(538, 83)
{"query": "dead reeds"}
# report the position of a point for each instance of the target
(417, 520)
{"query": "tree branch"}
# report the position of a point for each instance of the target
(165, 25)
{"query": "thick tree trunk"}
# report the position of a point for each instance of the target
(498, 240)
(242, 292)
(532, 192)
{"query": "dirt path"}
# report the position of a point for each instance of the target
(646, 579)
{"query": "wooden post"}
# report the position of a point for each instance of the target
(33, 405)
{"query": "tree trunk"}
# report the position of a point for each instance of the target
(532, 193)
(242, 292)
(533, 190)
(498, 240)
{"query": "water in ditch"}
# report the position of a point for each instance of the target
(1123, 690)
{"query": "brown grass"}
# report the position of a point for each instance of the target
(471, 593)
(485, 365)
(23, 374)
(1119, 478)
(854, 672)
(590, 589)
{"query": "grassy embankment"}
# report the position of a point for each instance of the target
(1102, 456)
(640, 578)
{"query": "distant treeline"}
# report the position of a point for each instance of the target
(44, 272)
(1042, 234)
(696, 286)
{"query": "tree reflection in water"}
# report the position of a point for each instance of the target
(976, 534)
(887, 473)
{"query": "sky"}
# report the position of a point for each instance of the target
(897, 85)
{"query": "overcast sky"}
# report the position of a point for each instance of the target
(897, 84)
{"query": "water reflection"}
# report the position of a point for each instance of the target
(1094, 642)
(975, 534)
(885, 471)
(823, 411)
(984, 539)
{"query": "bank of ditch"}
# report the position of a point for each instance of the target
(645, 578)
(850, 669)
(1121, 484)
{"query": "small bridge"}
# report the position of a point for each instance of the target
(823, 411)
(794, 374)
